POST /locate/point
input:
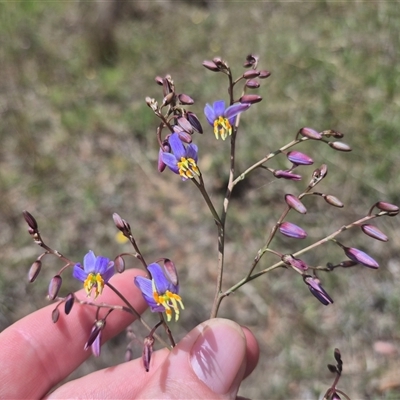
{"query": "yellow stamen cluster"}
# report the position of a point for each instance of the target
(169, 301)
(94, 281)
(222, 127)
(188, 167)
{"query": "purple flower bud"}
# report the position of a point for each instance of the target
(171, 272)
(264, 74)
(55, 315)
(299, 158)
(185, 137)
(360, 257)
(185, 99)
(159, 80)
(295, 203)
(317, 290)
(391, 209)
(121, 224)
(34, 270)
(119, 264)
(147, 352)
(94, 340)
(296, 263)
(69, 302)
(310, 133)
(292, 230)
(54, 286)
(194, 121)
(333, 201)
(339, 146)
(211, 66)
(185, 125)
(251, 60)
(168, 99)
(252, 84)
(251, 74)
(286, 175)
(30, 221)
(374, 232)
(250, 99)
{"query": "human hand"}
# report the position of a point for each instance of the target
(210, 362)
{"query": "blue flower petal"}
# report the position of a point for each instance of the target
(219, 108)
(109, 272)
(191, 152)
(101, 265)
(210, 114)
(79, 273)
(235, 109)
(171, 162)
(177, 146)
(161, 282)
(145, 287)
(89, 262)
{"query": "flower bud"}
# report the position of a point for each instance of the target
(121, 224)
(171, 272)
(292, 230)
(252, 84)
(391, 209)
(339, 146)
(317, 290)
(184, 136)
(185, 99)
(264, 74)
(332, 200)
(69, 302)
(298, 158)
(250, 99)
(159, 80)
(310, 133)
(152, 103)
(296, 263)
(185, 125)
(295, 203)
(360, 257)
(286, 175)
(54, 286)
(211, 66)
(331, 133)
(168, 99)
(147, 352)
(337, 355)
(194, 121)
(55, 315)
(34, 270)
(252, 73)
(251, 60)
(94, 340)
(374, 232)
(30, 221)
(119, 264)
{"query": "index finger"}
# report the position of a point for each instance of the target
(36, 354)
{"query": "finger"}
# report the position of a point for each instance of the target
(252, 352)
(37, 354)
(209, 362)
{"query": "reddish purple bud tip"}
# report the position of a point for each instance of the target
(391, 209)
(34, 270)
(171, 272)
(185, 99)
(374, 232)
(360, 257)
(30, 221)
(211, 66)
(333, 201)
(296, 263)
(69, 302)
(286, 175)
(147, 352)
(194, 121)
(250, 99)
(264, 74)
(339, 146)
(252, 84)
(55, 315)
(291, 230)
(119, 264)
(298, 158)
(54, 287)
(251, 74)
(295, 203)
(317, 290)
(310, 133)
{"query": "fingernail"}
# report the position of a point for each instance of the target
(218, 354)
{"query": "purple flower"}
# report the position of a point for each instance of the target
(96, 272)
(360, 257)
(317, 290)
(160, 294)
(222, 119)
(182, 160)
(291, 230)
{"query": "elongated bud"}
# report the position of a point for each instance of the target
(286, 175)
(121, 224)
(310, 133)
(339, 146)
(168, 99)
(211, 66)
(159, 80)
(332, 200)
(55, 314)
(184, 136)
(360, 257)
(332, 368)
(195, 122)
(94, 340)
(337, 355)
(317, 290)
(69, 302)
(119, 264)
(54, 286)
(295, 203)
(30, 220)
(319, 174)
(147, 352)
(170, 271)
(391, 209)
(34, 270)
(298, 158)
(185, 125)
(252, 84)
(374, 232)
(291, 230)
(296, 263)
(152, 103)
(250, 99)
(185, 99)
(264, 74)
(251, 74)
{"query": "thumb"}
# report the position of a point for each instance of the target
(209, 362)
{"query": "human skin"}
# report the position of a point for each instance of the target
(210, 362)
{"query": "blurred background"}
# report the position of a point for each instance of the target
(78, 143)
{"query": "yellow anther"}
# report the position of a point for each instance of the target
(222, 127)
(94, 281)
